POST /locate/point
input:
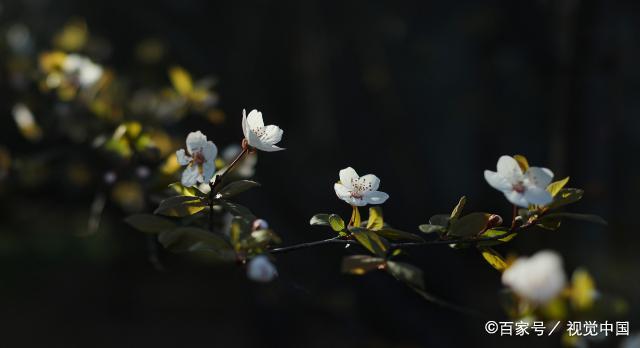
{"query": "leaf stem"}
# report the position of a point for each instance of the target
(334, 240)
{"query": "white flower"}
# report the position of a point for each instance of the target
(521, 189)
(260, 269)
(539, 278)
(86, 71)
(359, 191)
(258, 135)
(200, 160)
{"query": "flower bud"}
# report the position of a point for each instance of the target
(259, 224)
(494, 221)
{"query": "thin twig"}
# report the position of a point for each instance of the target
(334, 240)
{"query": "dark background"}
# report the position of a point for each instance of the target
(424, 94)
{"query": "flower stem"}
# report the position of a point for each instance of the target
(334, 240)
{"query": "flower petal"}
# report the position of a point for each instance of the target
(348, 177)
(342, 191)
(272, 134)
(375, 197)
(269, 148)
(190, 176)
(195, 141)
(516, 198)
(210, 151)
(370, 182)
(537, 195)
(496, 181)
(509, 169)
(260, 269)
(183, 159)
(245, 128)
(539, 177)
(254, 120)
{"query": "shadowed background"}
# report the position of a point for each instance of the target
(424, 94)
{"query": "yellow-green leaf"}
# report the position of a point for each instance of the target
(556, 186)
(355, 220)
(336, 222)
(494, 259)
(583, 289)
(457, 211)
(375, 218)
(180, 206)
(370, 240)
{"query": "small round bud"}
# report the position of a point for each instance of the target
(494, 220)
(110, 177)
(259, 224)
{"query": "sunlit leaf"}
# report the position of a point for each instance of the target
(494, 259)
(458, 208)
(149, 223)
(393, 234)
(406, 273)
(319, 220)
(469, 225)
(129, 195)
(336, 222)
(376, 220)
(566, 196)
(265, 237)
(584, 217)
(555, 309)
(427, 228)
(73, 36)
(361, 264)
(522, 162)
(493, 233)
(170, 165)
(556, 186)
(181, 80)
(237, 187)
(180, 206)
(370, 240)
(186, 191)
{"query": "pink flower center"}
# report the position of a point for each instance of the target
(198, 157)
(519, 187)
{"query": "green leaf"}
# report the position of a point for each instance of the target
(566, 196)
(409, 274)
(237, 187)
(370, 240)
(457, 211)
(148, 223)
(584, 217)
(336, 222)
(186, 191)
(494, 259)
(192, 239)
(556, 186)
(491, 233)
(393, 234)
(549, 223)
(361, 264)
(265, 237)
(440, 220)
(469, 225)
(238, 210)
(427, 228)
(320, 220)
(375, 221)
(180, 206)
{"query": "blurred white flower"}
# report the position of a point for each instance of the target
(539, 278)
(258, 135)
(86, 71)
(521, 189)
(199, 158)
(260, 269)
(359, 191)
(632, 341)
